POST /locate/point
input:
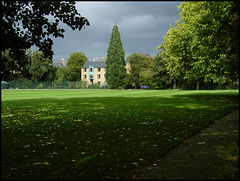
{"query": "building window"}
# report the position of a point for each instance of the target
(91, 76)
(105, 69)
(91, 69)
(84, 76)
(99, 82)
(84, 70)
(99, 69)
(99, 76)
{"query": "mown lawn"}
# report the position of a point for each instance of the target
(99, 134)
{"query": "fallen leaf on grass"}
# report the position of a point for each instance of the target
(202, 143)
(37, 163)
(77, 120)
(135, 163)
(41, 163)
(45, 163)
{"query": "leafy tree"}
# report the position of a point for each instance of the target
(41, 68)
(115, 62)
(74, 65)
(128, 82)
(214, 27)
(161, 78)
(172, 54)
(8, 64)
(62, 74)
(26, 66)
(11, 68)
(204, 46)
(27, 23)
(146, 73)
(135, 61)
(140, 71)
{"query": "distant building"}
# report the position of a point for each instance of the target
(128, 67)
(93, 72)
(61, 64)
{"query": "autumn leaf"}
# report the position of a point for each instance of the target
(37, 163)
(45, 163)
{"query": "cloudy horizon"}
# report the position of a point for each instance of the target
(142, 26)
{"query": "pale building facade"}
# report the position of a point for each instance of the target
(93, 72)
(128, 67)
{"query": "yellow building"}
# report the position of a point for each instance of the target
(93, 72)
(128, 67)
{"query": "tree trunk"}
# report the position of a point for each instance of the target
(174, 83)
(198, 85)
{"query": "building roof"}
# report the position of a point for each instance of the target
(59, 64)
(95, 64)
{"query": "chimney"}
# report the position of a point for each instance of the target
(62, 60)
(103, 59)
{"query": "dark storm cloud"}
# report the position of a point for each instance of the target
(142, 26)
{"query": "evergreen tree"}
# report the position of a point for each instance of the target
(115, 62)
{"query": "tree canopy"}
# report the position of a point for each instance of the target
(205, 43)
(41, 68)
(140, 72)
(28, 23)
(74, 65)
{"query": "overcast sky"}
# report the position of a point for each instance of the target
(142, 26)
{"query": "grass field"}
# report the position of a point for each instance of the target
(99, 134)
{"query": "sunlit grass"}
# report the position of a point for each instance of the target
(87, 134)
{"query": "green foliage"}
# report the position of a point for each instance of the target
(74, 65)
(204, 45)
(140, 72)
(128, 82)
(115, 62)
(27, 23)
(62, 74)
(93, 134)
(161, 79)
(41, 68)
(8, 64)
(11, 65)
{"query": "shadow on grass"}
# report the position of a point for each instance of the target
(99, 138)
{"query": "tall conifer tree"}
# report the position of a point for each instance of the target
(115, 62)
